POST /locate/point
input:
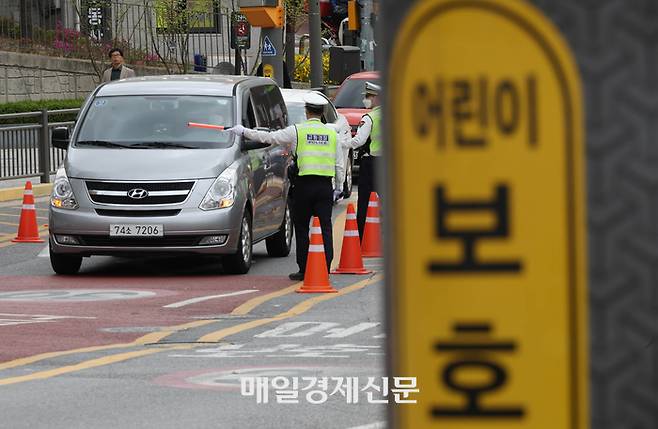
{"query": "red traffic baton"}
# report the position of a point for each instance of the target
(207, 126)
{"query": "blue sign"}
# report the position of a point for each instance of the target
(268, 48)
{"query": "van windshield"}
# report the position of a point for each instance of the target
(156, 122)
(296, 112)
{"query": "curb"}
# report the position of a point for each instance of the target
(10, 194)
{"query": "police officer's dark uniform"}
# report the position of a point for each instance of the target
(317, 153)
(368, 139)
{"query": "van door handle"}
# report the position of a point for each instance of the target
(266, 161)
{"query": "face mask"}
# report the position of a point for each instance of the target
(367, 103)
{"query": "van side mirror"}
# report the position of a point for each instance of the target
(60, 138)
(251, 145)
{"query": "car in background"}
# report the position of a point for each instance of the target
(139, 180)
(294, 99)
(349, 101)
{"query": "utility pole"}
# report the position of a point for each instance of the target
(290, 44)
(317, 79)
(367, 36)
(268, 14)
(272, 53)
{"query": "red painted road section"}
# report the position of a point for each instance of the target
(65, 334)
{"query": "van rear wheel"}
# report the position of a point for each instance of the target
(240, 261)
(64, 264)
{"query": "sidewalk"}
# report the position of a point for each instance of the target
(13, 189)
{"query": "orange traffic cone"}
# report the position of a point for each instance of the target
(371, 247)
(350, 257)
(316, 277)
(28, 231)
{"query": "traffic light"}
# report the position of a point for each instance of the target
(259, 3)
(353, 23)
(263, 13)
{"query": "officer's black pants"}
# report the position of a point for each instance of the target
(313, 196)
(367, 185)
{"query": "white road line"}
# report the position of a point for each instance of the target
(205, 298)
(375, 425)
(47, 316)
(44, 253)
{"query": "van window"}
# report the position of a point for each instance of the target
(330, 115)
(248, 115)
(269, 103)
(154, 121)
(260, 102)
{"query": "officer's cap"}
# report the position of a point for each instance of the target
(315, 100)
(372, 89)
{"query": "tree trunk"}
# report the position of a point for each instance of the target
(290, 47)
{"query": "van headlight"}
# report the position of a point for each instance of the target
(222, 192)
(62, 196)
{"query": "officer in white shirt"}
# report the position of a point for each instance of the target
(368, 139)
(319, 160)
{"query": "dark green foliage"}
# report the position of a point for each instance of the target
(36, 106)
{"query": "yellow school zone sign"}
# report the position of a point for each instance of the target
(268, 71)
(488, 236)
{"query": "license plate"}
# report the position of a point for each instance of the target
(126, 230)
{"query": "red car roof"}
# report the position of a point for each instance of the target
(364, 75)
(353, 115)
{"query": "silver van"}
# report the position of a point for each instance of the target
(139, 178)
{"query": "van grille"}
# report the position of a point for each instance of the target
(155, 192)
(137, 213)
(167, 241)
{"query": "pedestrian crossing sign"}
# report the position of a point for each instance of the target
(268, 48)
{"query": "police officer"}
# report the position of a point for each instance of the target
(319, 160)
(368, 138)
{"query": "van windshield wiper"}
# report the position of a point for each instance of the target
(102, 143)
(162, 145)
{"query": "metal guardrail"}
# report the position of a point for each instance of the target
(26, 150)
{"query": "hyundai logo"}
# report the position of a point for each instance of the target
(138, 193)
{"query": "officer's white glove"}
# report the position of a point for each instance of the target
(238, 130)
(337, 194)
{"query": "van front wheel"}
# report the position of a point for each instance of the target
(240, 261)
(64, 264)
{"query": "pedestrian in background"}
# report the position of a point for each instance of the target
(368, 138)
(118, 69)
(319, 160)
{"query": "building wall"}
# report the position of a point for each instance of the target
(128, 23)
(36, 77)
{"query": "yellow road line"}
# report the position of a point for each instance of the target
(5, 240)
(339, 227)
(5, 237)
(155, 337)
(18, 215)
(93, 363)
(152, 337)
(298, 309)
(247, 306)
(39, 190)
(36, 358)
(8, 223)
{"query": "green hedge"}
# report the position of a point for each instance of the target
(35, 106)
